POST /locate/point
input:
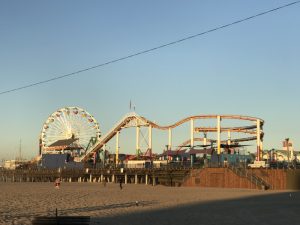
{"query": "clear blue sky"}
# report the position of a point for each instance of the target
(250, 68)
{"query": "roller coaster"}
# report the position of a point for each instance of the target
(252, 132)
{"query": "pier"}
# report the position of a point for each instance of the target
(221, 177)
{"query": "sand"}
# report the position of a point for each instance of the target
(21, 202)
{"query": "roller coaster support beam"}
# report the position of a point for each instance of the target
(261, 149)
(104, 159)
(150, 139)
(192, 133)
(117, 147)
(229, 138)
(258, 141)
(219, 134)
(137, 146)
(170, 139)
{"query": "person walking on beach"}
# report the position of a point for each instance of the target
(104, 182)
(121, 187)
(57, 183)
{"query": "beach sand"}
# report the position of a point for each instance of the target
(21, 202)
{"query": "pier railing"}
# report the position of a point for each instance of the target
(169, 175)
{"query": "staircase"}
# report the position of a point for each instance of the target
(259, 182)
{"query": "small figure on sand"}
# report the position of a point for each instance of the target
(57, 183)
(121, 187)
(104, 182)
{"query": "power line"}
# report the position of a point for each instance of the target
(149, 50)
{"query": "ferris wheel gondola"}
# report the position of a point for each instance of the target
(69, 123)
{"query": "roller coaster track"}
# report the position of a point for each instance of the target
(188, 142)
(246, 129)
(237, 117)
(133, 119)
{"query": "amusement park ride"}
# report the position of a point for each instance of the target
(69, 128)
(72, 129)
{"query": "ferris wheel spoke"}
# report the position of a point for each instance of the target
(60, 137)
(67, 120)
(62, 122)
(57, 127)
(56, 132)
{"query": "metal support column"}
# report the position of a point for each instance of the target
(137, 144)
(117, 148)
(258, 139)
(150, 140)
(219, 134)
(229, 138)
(104, 149)
(170, 139)
(192, 133)
(261, 149)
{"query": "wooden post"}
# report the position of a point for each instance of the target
(153, 180)
(113, 178)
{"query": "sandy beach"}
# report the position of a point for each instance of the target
(21, 202)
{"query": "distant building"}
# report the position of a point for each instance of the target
(65, 145)
(281, 155)
(12, 164)
(55, 161)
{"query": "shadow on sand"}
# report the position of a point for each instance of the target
(63, 212)
(279, 208)
(104, 207)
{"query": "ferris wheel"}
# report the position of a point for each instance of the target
(70, 123)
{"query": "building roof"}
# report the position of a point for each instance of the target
(65, 144)
(185, 152)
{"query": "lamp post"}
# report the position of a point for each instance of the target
(244, 157)
(288, 150)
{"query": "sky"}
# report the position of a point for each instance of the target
(251, 68)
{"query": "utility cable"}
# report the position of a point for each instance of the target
(149, 50)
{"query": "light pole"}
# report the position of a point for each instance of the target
(244, 157)
(288, 150)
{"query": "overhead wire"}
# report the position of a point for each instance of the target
(149, 50)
